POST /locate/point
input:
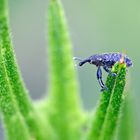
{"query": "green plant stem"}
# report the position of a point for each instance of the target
(99, 116)
(63, 92)
(13, 120)
(12, 70)
(14, 76)
(112, 114)
(126, 129)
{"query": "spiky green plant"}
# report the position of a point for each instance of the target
(60, 116)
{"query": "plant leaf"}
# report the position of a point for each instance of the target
(63, 100)
(99, 115)
(113, 110)
(14, 77)
(13, 120)
(127, 129)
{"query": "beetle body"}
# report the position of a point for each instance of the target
(105, 60)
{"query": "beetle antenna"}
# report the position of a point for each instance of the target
(77, 58)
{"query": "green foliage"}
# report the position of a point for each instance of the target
(14, 122)
(126, 129)
(15, 83)
(112, 114)
(60, 116)
(107, 111)
(99, 116)
(63, 92)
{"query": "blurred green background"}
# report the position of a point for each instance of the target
(96, 26)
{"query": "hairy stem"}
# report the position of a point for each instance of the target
(99, 116)
(63, 92)
(113, 110)
(17, 85)
(13, 121)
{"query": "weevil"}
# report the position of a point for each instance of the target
(105, 60)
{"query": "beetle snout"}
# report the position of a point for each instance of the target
(83, 62)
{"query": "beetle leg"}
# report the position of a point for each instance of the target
(99, 78)
(109, 71)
